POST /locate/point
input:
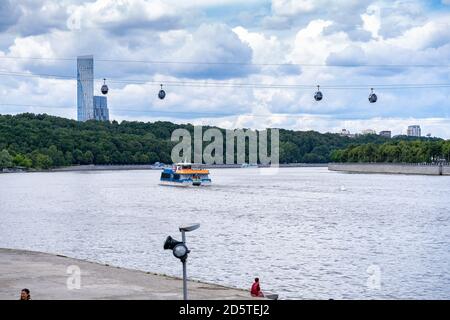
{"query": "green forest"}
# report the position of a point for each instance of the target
(418, 151)
(41, 141)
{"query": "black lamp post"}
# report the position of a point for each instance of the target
(180, 250)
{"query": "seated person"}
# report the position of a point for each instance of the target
(256, 290)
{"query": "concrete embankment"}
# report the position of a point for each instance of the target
(391, 168)
(55, 277)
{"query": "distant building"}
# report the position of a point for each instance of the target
(345, 133)
(414, 131)
(101, 111)
(88, 106)
(386, 134)
(369, 131)
(85, 88)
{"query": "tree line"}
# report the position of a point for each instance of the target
(42, 141)
(418, 151)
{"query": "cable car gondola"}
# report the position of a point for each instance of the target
(372, 96)
(318, 95)
(161, 93)
(104, 88)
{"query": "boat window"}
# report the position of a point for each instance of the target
(165, 175)
(176, 176)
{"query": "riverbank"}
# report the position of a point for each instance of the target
(391, 168)
(152, 167)
(53, 277)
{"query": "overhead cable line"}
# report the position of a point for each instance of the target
(287, 64)
(202, 83)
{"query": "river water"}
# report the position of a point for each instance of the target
(307, 233)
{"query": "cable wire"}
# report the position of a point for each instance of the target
(233, 85)
(238, 63)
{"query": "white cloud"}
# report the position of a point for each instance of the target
(292, 8)
(311, 46)
(211, 44)
(432, 34)
(265, 48)
(121, 16)
(371, 20)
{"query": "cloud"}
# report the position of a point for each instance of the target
(308, 37)
(312, 46)
(346, 16)
(268, 49)
(9, 14)
(214, 44)
(396, 17)
(209, 43)
(124, 16)
(433, 34)
(351, 55)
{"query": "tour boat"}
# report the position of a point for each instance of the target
(185, 175)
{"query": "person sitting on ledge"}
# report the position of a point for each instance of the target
(256, 290)
(25, 294)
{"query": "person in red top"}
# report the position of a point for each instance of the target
(256, 290)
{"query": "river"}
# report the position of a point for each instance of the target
(307, 233)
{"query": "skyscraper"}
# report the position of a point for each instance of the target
(88, 106)
(85, 88)
(414, 131)
(101, 112)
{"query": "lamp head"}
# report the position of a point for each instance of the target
(189, 227)
(170, 243)
(179, 249)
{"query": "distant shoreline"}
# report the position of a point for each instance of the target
(152, 167)
(392, 168)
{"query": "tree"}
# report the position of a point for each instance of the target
(77, 156)
(22, 161)
(57, 156)
(42, 161)
(6, 161)
(289, 152)
(69, 158)
(88, 157)
(446, 150)
(152, 157)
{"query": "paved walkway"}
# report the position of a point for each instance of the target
(47, 278)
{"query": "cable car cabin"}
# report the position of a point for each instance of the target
(104, 89)
(185, 175)
(372, 97)
(161, 93)
(318, 95)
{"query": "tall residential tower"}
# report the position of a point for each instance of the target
(88, 106)
(85, 88)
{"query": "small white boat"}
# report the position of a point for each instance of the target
(249, 165)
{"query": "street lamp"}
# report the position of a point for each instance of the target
(180, 250)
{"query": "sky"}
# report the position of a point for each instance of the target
(235, 64)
